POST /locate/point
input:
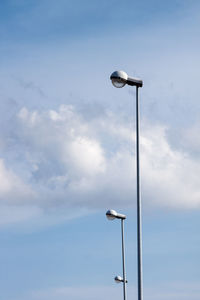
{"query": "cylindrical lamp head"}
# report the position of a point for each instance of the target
(118, 279)
(111, 214)
(119, 78)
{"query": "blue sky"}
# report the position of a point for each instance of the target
(67, 148)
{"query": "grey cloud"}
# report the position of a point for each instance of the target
(30, 85)
(186, 139)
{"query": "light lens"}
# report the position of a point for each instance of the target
(118, 279)
(111, 214)
(110, 217)
(118, 83)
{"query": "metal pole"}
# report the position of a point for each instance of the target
(123, 259)
(139, 216)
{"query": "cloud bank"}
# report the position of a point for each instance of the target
(59, 159)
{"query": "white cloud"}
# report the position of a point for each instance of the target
(66, 160)
(12, 188)
(86, 155)
(170, 177)
(186, 139)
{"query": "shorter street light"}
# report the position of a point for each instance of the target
(118, 279)
(111, 215)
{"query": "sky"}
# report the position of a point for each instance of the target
(67, 148)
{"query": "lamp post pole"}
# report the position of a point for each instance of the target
(139, 212)
(123, 259)
(119, 80)
(111, 215)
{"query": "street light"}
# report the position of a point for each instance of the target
(119, 80)
(119, 279)
(111, 215)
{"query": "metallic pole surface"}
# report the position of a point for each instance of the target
(139, 215)
(123, 259)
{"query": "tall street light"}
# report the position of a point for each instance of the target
(111, 215)
(119, 80)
